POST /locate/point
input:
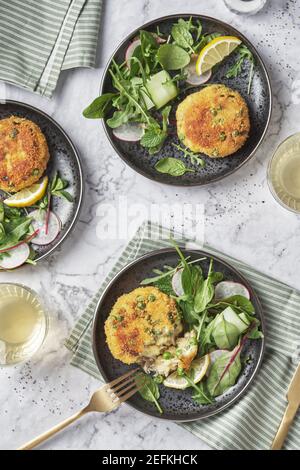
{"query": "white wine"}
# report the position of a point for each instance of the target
(23, 323)
(284, 173)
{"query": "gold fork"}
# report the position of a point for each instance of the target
(107, 398)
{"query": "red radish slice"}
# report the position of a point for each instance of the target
(176, 283)
(228, 288)
(39, 222)
(129, 132)
(192, 77)
(130, 50)
(17, 257)
(159, 39)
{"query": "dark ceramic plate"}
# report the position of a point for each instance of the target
(259, 102)
(63, 158)
(178, 405)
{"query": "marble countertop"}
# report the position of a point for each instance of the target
(241, 218)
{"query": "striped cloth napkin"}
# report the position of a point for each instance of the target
(39, 39)
(252, 422)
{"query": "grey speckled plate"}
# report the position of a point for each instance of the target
(178, 405)
(259, 102)
(63, 158)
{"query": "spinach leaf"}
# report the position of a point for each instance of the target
(2, 213)
(225, 334)
(224, 372)
(181, 34)
(148, 389)
(172, 166)
(237, 302)
(172, 57)
(58, 186)
(253, 331)
(99, 107)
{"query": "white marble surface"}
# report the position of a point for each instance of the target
(241, 218)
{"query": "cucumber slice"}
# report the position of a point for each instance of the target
(137, 81)
(232, 317)
(244, 318)
(161, 89)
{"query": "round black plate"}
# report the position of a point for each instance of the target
(178, 405)
(259, 102)
(64, 158)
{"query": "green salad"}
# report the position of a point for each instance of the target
(218, 318)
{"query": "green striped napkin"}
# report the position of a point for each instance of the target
(40, 39)
(253, 421)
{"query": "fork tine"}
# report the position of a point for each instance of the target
(120, 379)
(119, 386)
(126, 389)
(128, 395)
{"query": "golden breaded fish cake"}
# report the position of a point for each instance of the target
(24, 153)
(214, 121)
(142, 324)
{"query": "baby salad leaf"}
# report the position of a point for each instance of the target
(172, 166)
(224, 372)
(244, 54)
(148, 389)
(99, 107)
(58, 186)
(205, 293)
(172, 57)
(182, 36)
(225, 334)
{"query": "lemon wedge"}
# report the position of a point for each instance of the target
(199, 366)
(28, 196)
(215, 51)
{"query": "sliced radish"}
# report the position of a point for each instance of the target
(176, 283)
(159, 39)
(39, 222)
(229, 288)
(129, 132)
(192, 77)
(130, 50)
(17, 257)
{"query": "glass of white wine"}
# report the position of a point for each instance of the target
(284, 173)
(23, 323)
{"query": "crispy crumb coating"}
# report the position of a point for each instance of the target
(214, 121)
(24, 153)
(142, 324)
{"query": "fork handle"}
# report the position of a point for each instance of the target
(283, 429)
(46, 435)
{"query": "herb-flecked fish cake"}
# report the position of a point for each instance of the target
(214, 121)
(24, 153)
(142, 324)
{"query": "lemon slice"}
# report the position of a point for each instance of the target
(199, 366)
(28, 196)
(215, 51)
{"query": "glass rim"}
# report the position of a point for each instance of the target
(46, 317)
(269, 179)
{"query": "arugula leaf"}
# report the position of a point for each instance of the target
(224, 372)
(195, 158)
(99, 107)
(206, 291)
(244, 54)
(148, 389)
(149, 47)
(202, 395)
(172, 166)
(172, 57)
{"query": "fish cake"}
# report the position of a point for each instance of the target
(214, 121)
(24, 153)
(142, 324)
